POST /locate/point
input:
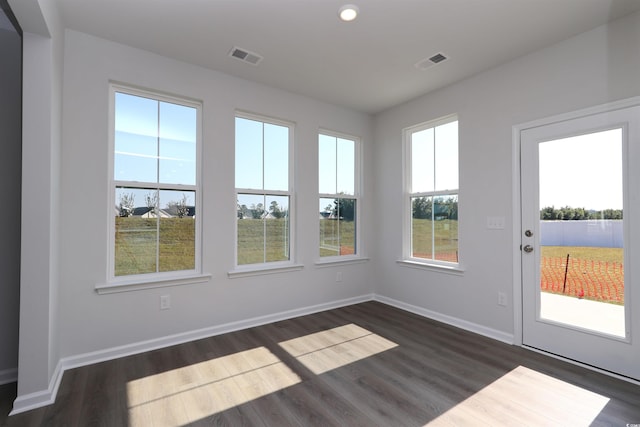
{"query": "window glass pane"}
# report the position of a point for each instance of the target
(421, 227)
(434, 228)
(329, 235)
(251, 240)
(327, 164)
(135, 138)
(446, 157)
(277, 228)
(276, 157)
(136, 232)
(434, 170)
(445, 228)
(249, 154)
(177, 240)
(177, 151)
(422, 159)
(347, 225)
(263, 219)
(337, 227)
(346, 166)
(155, 142)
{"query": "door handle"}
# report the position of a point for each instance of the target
(528, 248)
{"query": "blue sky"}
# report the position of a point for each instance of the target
(437, 145)
(336, 168)
(582, 172)
(262, 162)
(154, 142)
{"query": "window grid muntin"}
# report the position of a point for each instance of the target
(409, 163)
(336, 136)
(114, 184)
(265, 193)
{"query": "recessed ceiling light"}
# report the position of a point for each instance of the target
(348, 12)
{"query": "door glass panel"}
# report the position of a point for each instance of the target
(581, 232)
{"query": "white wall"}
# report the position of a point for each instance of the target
(41, 139)
(63, 317)
(590, 69)
(90, 322)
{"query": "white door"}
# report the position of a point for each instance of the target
(580, 289)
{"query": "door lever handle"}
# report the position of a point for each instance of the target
(528, 248)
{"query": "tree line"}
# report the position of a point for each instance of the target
(423, 208)
(345, 209)
(550, 213)
(257, 211)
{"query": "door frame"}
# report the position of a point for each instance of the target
(517, 212)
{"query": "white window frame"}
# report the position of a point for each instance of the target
(356, 196)
(407, 248)
(123, 283)
(272, 266)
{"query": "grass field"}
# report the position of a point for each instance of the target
(592, 273)
(446, 239)
(139, 248)
(580, 252)
(337, 237)
(262, 240)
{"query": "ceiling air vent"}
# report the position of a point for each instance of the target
(437, 58)
(423, 64)
(245, 56)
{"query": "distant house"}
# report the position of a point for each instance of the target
(141, 211)
(252, 214)
(146, 212)
(329, 215)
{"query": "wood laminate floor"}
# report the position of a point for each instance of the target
(363, 365)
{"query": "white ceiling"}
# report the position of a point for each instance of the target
(367, 64)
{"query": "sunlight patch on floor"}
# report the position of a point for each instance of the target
(525, 394)
(191, 393)
(327, 350)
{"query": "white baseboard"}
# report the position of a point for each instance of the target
(449, 320)
(38, 399)
(154, 344)
(8, 376)
(46, 397)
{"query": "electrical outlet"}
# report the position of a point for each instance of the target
(165, 302)
(502, 299)
(339, 276)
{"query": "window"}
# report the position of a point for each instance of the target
(154, 142)
(263, 190)
(432, 195)
(338, 188)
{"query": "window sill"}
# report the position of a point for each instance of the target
(262, 270)
(456, 269)
(330, 261)
(139, 284)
